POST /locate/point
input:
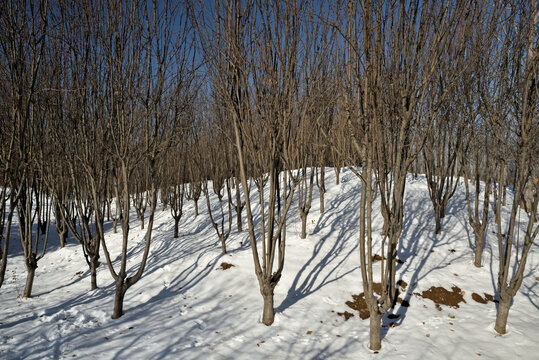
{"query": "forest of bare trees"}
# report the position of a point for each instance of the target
(112, 111)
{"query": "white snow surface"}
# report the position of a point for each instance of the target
(186, 307)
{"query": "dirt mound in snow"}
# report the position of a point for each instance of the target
(226, 266)
(442, 296)
(483, 300)
(359, 304)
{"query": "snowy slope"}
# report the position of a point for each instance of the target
(187, 307)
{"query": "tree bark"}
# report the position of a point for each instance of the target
(502, 314)
(93, 273)
(30, 279)
(239, 206)
(119, 299)
(62, 235)
(437, 220)
(375, 326)
(478, 250)
(223, 243)
(268, 315)
(303, 225)
(176, 228)
(322, 202)
(3, 264)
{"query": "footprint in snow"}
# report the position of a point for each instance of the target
(239, 338)
(200, 324)
(329, 300)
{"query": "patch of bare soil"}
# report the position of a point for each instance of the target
(346, 315)
(377, 257)
(359, 304)
(441, 296)
(483, 300)
(403, 284)
(226, 266)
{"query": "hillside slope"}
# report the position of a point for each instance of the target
(187, 307)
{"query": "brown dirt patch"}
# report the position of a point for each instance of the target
(377, 257)
(483, 300)
(441, 296)
(359, 304)
(346, 315)
(226, 266)
(403, 284)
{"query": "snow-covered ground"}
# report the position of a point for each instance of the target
(187, 307)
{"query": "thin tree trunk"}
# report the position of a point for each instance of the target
(303, 225)
(322, 202)
(176, 227)
(119, 299)
(93, 272)
(239, 206)
(322, 189)
(437, 220)
(62, 235)
(30, 279)
(502, 314)
(5, 249)
(478, 249)
(268, 315)
(223, 243)
(375, 327)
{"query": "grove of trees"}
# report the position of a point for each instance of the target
(110, 106)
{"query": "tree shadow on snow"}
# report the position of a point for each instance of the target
(415, 255)
(343, 226)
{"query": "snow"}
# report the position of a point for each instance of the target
(187, 307)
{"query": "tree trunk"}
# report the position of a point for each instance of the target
(62, 235)
(238, 206)
(322, 202)
(303, 225)
(142, 222)
(223, 244)
(478, 250)
(93, 273)
(176, 227)
(30, 279)
(196, 207)
(3, 264)
(119, 300)
(437, 220)
(502, 314)
(322, 189)
(375, 341)
(268, 315)
(114, 225)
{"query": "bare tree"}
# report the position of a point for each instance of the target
(390, 71)
(521, 33)
(22, 42)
